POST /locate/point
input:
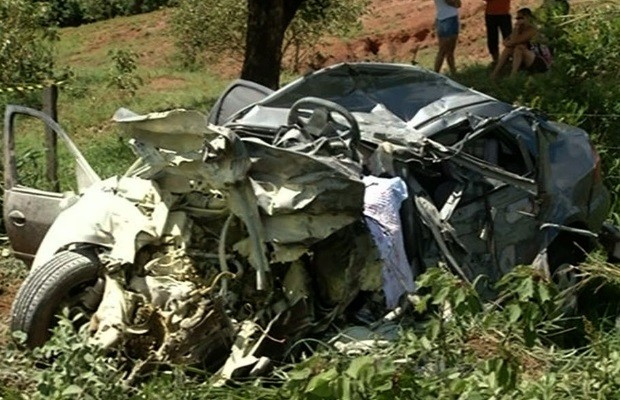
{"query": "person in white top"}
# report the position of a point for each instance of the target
(447, 24)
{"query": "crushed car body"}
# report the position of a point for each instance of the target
(495, 185)
(224, 245)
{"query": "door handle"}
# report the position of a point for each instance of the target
(17, 218)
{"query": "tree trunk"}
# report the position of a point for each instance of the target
(267, 22)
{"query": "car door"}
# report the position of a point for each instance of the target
(498, 217)
(236, 96)
(33, 196)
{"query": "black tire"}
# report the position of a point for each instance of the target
(41, 296)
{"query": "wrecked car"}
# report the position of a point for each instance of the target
(234, 236)
(491, 185)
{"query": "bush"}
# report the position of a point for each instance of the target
(64, 13)
(70, 367)
(123, 75)
(26, 48)
(76, 12)
(215, 28)
(584, 86)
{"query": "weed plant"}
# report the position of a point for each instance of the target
(459, 347)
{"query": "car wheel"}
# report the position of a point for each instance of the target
(568, 249)
(70, 279)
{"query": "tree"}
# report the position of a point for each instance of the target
(259, 32)
(267, 23)
(26, 47)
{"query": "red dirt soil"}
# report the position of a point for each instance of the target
(395, 30)
(7, 293)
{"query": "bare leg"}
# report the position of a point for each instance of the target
(450, 56)
(528, 57)
(517, 59)
(441, 54)
(503, 58)
(523, 57)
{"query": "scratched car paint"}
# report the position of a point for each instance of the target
(234, 236)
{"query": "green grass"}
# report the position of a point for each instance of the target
(88, 100)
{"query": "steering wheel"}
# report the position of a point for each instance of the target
(327, 108)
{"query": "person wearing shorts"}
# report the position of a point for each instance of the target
(447, 25)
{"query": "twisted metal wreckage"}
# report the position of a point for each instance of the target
(216, 250)
(220, 248)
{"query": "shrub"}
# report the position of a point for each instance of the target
(76, 12)
(216, 28)
(70, 367)
(123, 74)
(26, 47)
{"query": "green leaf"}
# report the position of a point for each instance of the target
(360, 366)
(526, 289)
(385, 387)
(345, 383)
(459, 297)
(434, 327)
(425, 343)
(319, 385)
(300, 374)
(72, 390)
(543, 293)
(441, 295)
(514, 312)
(422, 304)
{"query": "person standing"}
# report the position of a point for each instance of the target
(497, 18)
(447, 24)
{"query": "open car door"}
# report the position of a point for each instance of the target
(236, 96)
(33, 194)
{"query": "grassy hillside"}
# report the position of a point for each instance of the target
(90, 98)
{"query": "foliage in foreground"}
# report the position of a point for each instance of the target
(452, 345)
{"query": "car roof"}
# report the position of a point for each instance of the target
(359, 87)
(400, 98)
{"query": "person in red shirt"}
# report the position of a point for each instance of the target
(497, 18)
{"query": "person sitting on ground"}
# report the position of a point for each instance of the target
(523, 47)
